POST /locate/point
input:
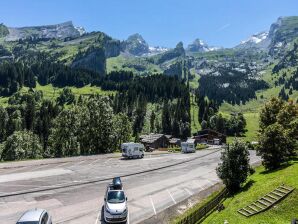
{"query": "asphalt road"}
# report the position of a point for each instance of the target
(72, 189)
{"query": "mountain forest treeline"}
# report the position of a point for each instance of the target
(35, 127)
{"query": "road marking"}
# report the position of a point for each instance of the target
(33, 175)
(201, 188)
(39, 167)
(171, 196)
(63, 164)
(108, 160)
(90, 164)
(76, 164)
(152, 205)
(97, 217)
(128, 218)
(151, 158)
(188, 191)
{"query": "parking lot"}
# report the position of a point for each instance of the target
(72, 189)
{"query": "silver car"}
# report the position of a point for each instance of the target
(115, 206)
(35, 216)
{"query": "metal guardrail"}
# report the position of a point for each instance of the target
(197, 215)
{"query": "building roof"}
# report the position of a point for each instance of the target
(151, 138)
(174, 140)
(32, 215)
(168, 136)
(207, 131)
(191, 140)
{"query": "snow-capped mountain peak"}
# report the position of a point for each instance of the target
(199, 45)
(256, 38)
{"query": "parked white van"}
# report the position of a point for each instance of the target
(132, 150)
(187, 147)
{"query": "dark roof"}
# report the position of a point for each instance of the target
(151, 138)
(207, 131)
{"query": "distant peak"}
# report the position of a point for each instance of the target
(198, 45)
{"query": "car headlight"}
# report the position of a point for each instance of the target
(125, 211)
(107, 210)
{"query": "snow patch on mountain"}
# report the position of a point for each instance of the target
(256, 38)
(199, 45)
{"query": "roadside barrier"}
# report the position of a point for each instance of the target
(197, 215)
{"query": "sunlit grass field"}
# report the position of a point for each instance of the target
(260, 183)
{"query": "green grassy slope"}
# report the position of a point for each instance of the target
(137, 65)
(51, 92)
(261, 183)
(252, 108)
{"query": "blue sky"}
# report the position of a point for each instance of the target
(161, 22)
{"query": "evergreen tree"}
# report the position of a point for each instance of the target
(166, 119)
(152, 122)
(3, 124)
(122, 129)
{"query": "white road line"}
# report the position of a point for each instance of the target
(128, 217)
(171, 196)
(108, 160)
(90, 164)
(76, 164)
(201, 188)
(97, 217)
(62, 164)
(152, 205)
(188, 191)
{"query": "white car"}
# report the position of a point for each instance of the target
(35, 216)
(115, 204)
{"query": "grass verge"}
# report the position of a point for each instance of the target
(260, 183)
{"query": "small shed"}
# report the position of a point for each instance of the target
(154, 141)
(210, 136)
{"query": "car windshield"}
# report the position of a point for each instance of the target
(116, 197)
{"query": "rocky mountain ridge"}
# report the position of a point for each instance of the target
(57, 31)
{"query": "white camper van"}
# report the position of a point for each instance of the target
(187, 147)
(132, 150)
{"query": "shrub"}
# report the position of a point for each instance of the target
(234, 168)
(21, 145)
(201, 146)
(275, 147)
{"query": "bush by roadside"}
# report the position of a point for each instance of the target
(202, 146)
(174, 149)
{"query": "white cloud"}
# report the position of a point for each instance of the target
(223, 27)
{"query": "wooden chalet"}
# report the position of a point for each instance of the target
(210, 136)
